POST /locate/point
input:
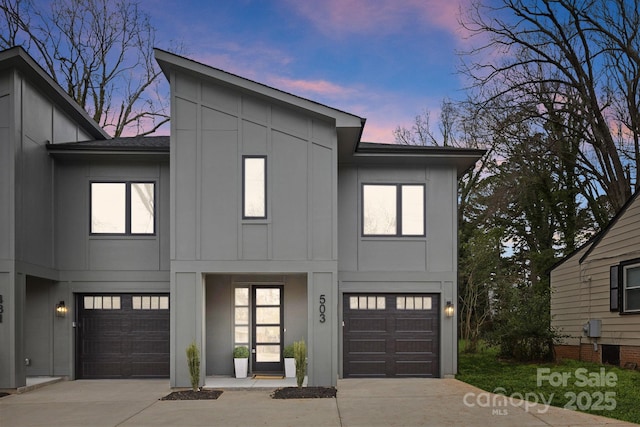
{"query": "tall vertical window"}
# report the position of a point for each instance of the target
(241, 317)
(393, 210)
(122, 208)
(254, 186)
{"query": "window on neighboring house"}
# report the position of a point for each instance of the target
(122, 208)
(393, 210)
(254, 186)
(631, 288)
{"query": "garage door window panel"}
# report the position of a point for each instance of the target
(99, 302)
(150, 302)
(413, 303)
(367, 302)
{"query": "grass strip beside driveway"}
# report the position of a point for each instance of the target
(587, 387)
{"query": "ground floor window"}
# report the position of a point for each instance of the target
(241, 317)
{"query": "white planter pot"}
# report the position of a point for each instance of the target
(289, 367)
(241, 365)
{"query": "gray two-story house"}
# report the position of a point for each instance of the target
(261, 220)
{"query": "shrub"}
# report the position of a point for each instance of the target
(522, 327)
(300, 355)
(241, 352)
(193, 359)
(288, 351)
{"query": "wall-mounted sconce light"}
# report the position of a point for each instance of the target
(61, 309)
(449, 309)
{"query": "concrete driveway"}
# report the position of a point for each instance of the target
(384, 402)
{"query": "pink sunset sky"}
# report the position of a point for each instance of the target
(384, 60)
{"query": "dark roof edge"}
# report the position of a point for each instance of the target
(596, 238)
(599, 236)
(19, 58)
(165, 57)
(55, 148)
(373, 148)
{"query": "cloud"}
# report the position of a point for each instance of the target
(341, 17)
(311, 87)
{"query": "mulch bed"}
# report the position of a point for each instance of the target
(204, 394)
(303, 392)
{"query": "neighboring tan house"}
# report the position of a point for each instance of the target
(262, 220)
(595, 294)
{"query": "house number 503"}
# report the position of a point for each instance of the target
(322, 308)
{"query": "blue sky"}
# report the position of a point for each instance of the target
(385, 60)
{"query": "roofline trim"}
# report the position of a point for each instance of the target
(168, 60)
(18, 58)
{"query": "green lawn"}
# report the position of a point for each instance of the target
(603, 390)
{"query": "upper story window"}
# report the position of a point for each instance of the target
(393, 210)
(123, 208)
(254, 187)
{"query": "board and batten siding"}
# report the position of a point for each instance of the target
(580, 290)
(214, 127)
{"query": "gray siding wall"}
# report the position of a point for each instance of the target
(40, 122)
(77, 250)
(434, 253)
(28, 121)
(213, 126)
(403, 264)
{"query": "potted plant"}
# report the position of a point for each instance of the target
(289, 362)
(241, 361)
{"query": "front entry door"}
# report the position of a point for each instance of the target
(267, 329)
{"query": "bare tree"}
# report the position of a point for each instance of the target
(99, 51)
(581, 54)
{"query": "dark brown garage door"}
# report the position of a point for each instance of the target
(123, 336)
(391, 335)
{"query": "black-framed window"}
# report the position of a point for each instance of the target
(631, 288)
(254, 187)
(624, 287)
(126, 207)
(393, 210)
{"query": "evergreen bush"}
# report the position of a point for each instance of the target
(193, 359)
(300, 355)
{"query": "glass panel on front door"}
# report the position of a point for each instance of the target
(267, 328)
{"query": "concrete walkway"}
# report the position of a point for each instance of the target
(366, 403)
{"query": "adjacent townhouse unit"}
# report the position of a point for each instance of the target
(261, 220)
(595, 294)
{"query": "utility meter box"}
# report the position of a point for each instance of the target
(593, 328)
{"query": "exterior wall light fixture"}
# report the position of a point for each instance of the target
(61, 309)
(449, 309)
